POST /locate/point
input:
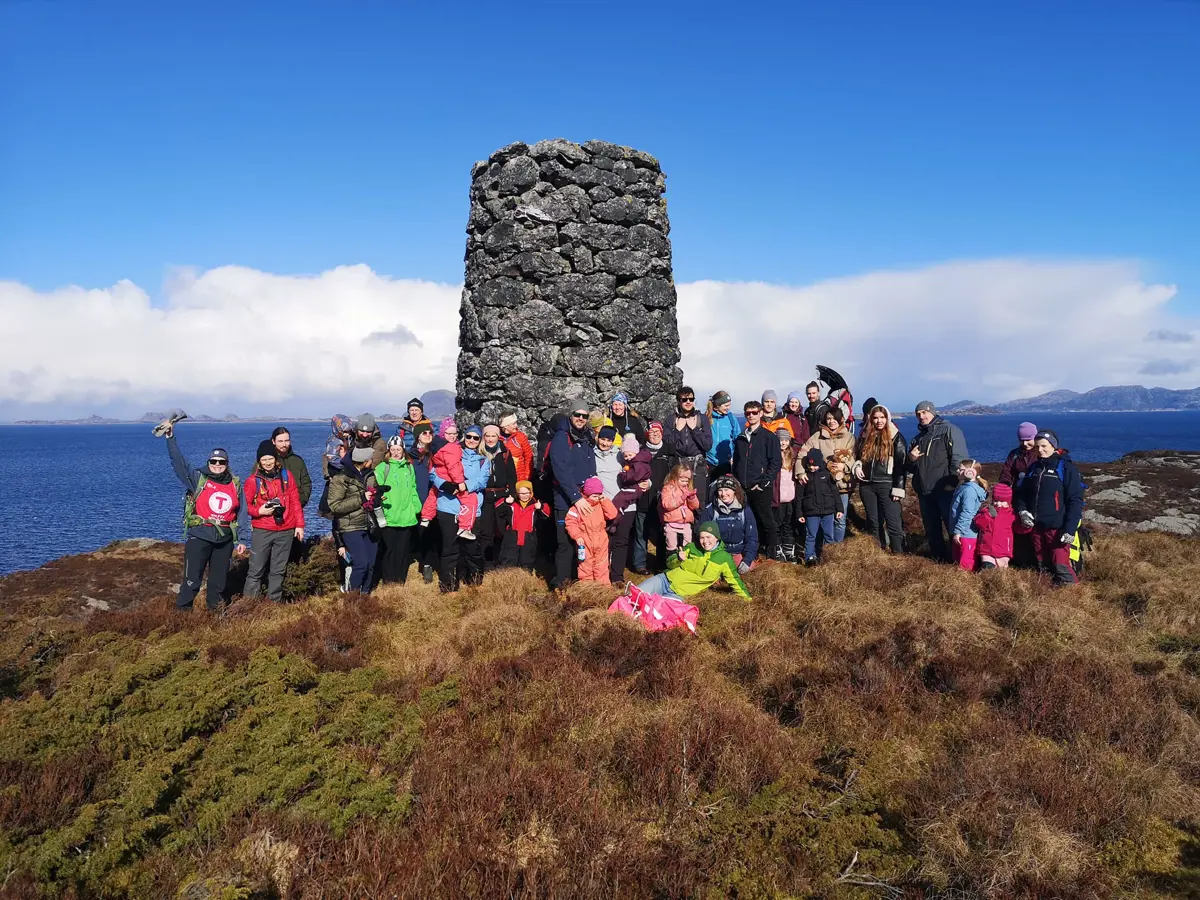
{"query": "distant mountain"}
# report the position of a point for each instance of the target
(438, 404)
(968, 408)
(1115, 398)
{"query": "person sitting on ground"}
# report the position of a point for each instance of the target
(739, 531)
(881, 470)
(694, 568)
(624, 419)
(784, 499)
(1050, 501)
(793, 411)
(587, 526)
(448, 466)
(969, 496)
(282, 439)
(994, 523)
(832, 436)
(934, 456)
(353, 499)
(366, 434)
(518, 446)
(634, 479)
(517, 518)
(773, 418)
(677, 505)
(756, 463)
(1021, 458)
(820, 507)
(399, 510)
(724, 427)
(210, 522)
(276, 519)
(414, 417)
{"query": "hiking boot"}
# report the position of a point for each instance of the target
(427, 574)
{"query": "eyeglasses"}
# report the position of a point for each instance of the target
(753, 412)
(577, 415)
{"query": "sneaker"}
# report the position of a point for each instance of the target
(811, 561)
(427, 574)
(466, 534)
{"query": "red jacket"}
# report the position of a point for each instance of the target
(259, 489)
(517, 518)
(522, 453)
(995, 527)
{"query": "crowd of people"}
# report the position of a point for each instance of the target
(597, 488)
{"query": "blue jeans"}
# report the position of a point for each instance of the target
(640, 550)
(362, 555)
(658, 584)
(839, 525)
(814, 524)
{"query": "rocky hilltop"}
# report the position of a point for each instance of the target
(1118, 398)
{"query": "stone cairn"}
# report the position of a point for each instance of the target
(568, 291)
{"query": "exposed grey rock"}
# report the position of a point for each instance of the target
(518, 174)
(656, 293)
(634, 263)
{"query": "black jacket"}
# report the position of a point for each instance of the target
(502, 480)
(819, 496)
(877, 473)
(943, 447)
(630, 423)
(660, 466)
(757, 458)
(688, 442)
(1053, 491)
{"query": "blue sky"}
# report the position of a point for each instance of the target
(802, 141)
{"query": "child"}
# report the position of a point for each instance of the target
(635, 471)
(676, 507)
(819, 504)
(995, 526)
(693, 569)
(516, 520)
(448, 464)
(968, 497)
(784, 508)
(589, 530)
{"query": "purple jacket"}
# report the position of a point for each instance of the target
(633, 472)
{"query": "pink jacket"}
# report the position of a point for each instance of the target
(676, 506)
(995, 531)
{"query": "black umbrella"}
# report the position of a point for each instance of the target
(835, 381)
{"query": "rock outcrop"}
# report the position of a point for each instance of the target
(568, 292)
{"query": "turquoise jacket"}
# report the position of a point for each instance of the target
(724, 429)
(968, 497)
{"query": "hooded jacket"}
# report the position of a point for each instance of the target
(1053, 492)
(375, 442)
(700, 571)
(676, 506)
(829, 442)
(521, 452)
(608, 467)
(819, 496)
(968, 497)
(572, 462)
(633, 473)
(943, 447)
(739, 530)
(995, 526)
(757, 458)
(895, 470)
(399, 504)
(476, 470)
(724, 429)
(1018, 462)
(590, 525)
(347, 491)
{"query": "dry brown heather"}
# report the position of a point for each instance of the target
(876, 726)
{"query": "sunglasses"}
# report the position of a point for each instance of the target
(471, 437)
(218, 462)
(753, 412)
(579, 415)
(687, 399)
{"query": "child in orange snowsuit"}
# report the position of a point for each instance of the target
(588, 529)
(448, 464)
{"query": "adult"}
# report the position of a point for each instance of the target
(646, 520)
(1050, 501)
(353, 498)
(832, 436)
(210, 523)
(739, 530)
(366, 434)
(1021, 458)
(408, 425)
(572, 462)
(696, 567)
(793, 410)
(689, 439)
(624, 419)
(773, 418)
(814, 413)
(501, 484)
(933, 457)
(462, 559)
(518, 446)
(282, 439)
(881, 470)
(399, 510)
(724, 427)
(428, 540)
(276, 519)
(757, 460)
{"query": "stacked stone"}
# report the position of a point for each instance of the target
(568, 291)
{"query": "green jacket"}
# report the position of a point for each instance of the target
(701, 570)
(400, 506)
(346, 495)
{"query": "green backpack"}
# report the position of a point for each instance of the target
(189, 508)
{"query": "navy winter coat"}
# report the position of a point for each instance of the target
(1053, 492)
(739, 530)
(572, 461)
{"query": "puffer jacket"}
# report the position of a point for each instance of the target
(819, 496)
(1053, 492)
(995, 527)
(724, 430)
(476, 471)
(739, 530)
(895, 470)
(700, 571)
(522, 454)
(968, 497)
(633, 472)
(399, 503)
(943, 447)
(675, 506)
(347, 491)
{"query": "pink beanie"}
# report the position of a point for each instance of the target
(593, 486)
(444, 424)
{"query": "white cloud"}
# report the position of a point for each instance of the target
(236, 339)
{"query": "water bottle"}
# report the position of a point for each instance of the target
(581, 554)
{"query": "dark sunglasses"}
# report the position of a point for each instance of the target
(471, 437)
(218, 462)
(687, 399)
(579, 415)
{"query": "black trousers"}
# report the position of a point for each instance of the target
(935, 516)
(199, 554)
(524, 556)
(883, 514)
(785, 522)
(461, 560)
(759, 502)
(618, 546)
(564, 550)
(396, 546)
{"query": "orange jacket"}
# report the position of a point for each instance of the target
(589, 526)
(522, 453)
(675, 506)
(774, 425)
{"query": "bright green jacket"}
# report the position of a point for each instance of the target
(701, 570)
(400, 505)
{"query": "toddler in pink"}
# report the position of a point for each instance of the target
(448, 465)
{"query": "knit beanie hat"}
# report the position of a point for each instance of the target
(814, 458)
(608, 433)
(596, 419)
(1026, 431)
(1047, 435)
(362, 454)
(416, 401)
(629, 444)
(508, 419)
(621, 397)
(869, 405)
(1003, 493)
(266, 448)
(926, 406)
(366, 422)
(725, 481)
(711, 528)
(720, 398)
(654, 423)
(421, 429)
(395, 441)
(593, 486)
(528, 485)
(796, 395)
(443, 425)
(770, 395)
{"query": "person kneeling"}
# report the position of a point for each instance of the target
(588, 528)
(694, 569)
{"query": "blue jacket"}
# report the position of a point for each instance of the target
(724, 429)
(965, 503)
(420, 466)
(573, 461)
(739, 531)
(1053, 491)
(476, 471)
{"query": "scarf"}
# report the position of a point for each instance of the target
(727, 509)
(653, 448)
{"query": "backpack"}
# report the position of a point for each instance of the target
(284, 477)
(1082, 542)
(189, 507)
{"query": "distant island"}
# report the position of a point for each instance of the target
(1113, 398)
(438, 404)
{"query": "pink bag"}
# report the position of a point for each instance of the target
(655, 612)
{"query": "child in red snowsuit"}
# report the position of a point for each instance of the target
(589, 530)
(447, 463)
(518, 525)
(995, 526)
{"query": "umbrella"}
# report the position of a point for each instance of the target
(835, 381)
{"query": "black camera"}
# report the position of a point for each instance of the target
(277, 508)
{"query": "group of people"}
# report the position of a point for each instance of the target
(713, 495)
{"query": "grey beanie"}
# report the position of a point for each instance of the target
(362, 454)
(365, 422)
(926, 406)
(770, 395)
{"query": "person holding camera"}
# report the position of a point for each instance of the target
(276, 517)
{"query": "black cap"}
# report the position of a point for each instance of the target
(219, 453)
(416, 401)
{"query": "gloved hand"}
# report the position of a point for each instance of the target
(1067, 539)
(369, 500)
(897, 494)
(743, 568)
(1027, 518)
